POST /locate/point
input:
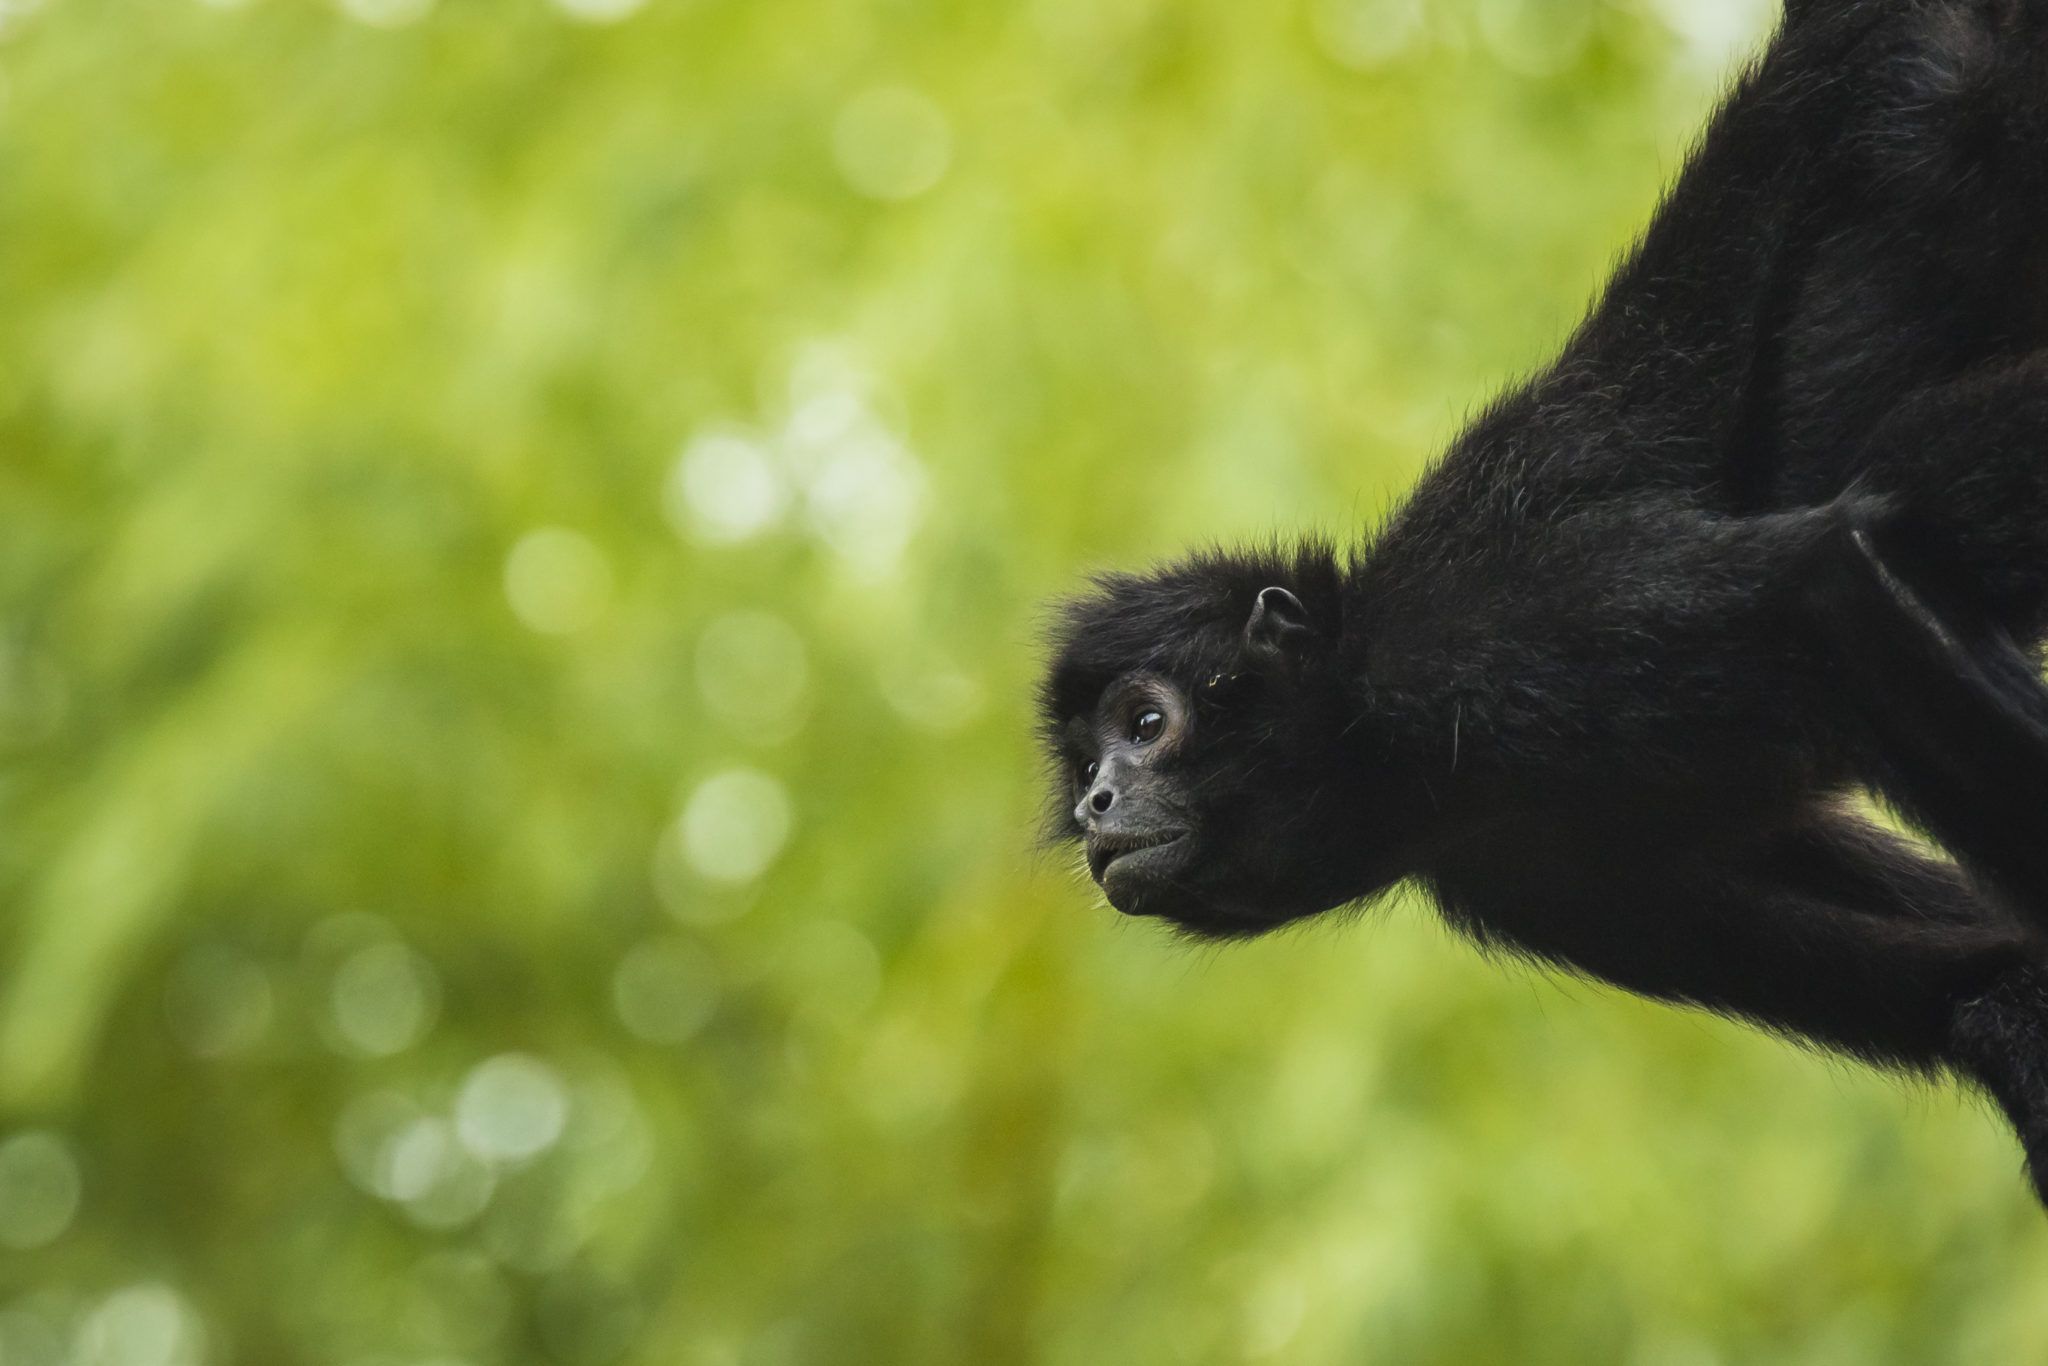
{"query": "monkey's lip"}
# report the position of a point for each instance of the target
(1107, 850)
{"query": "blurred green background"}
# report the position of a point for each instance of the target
(524, 532)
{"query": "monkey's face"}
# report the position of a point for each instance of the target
(1134, 809)
(1191, 808)
(1205, 789)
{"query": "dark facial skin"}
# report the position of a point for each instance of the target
(1127, 805)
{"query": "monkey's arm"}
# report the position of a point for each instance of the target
(1831, 930)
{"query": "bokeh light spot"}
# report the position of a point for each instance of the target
(735, 825)
(753, 673)
(440, 1184)
(511, 1108)
(725, 487)
(39, 1189)
(15, 12)
(461, 1190)
(384, 1000)
(864, 490)
(865, 501)
(557, 580)
(664, 990)
(413, 1158)
(892, 143)
(148, 1324)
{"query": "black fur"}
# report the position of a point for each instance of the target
(1774, 525)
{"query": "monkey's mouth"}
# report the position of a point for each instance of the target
(1122, 850)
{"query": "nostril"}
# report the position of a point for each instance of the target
(1101, 800)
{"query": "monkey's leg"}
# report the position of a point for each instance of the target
(1832, 931)
(1959, 714)
(1919, 605)
(1963, 717)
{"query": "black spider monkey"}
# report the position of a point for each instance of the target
(1772, 527)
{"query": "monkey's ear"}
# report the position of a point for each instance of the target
(1278, 627)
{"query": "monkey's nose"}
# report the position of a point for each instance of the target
(1096, 804)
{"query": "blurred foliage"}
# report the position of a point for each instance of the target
(524, 528)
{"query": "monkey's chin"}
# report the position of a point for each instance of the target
(1153, 883)
(1141, 882)
(1151, 890)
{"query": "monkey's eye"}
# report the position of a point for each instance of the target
(1145, 727)
(1086, 772)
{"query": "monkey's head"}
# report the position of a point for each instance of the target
(1194, 719)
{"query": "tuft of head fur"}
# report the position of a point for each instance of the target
(1184, 620)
